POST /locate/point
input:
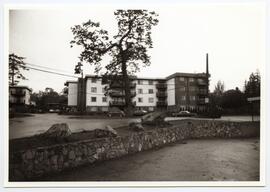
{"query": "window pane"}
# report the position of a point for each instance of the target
(93, 99)
(93, 89)
(151, 100)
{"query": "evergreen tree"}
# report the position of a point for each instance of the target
(16, 64)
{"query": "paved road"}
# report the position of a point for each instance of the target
(28, 126)
(223, 118)
(198, 160)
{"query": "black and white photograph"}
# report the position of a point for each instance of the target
(136, 95)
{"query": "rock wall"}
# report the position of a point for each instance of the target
(33, 163)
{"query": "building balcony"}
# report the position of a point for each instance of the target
(161, 86)
(132, 85)
(201, 101)
(18, 93)
(202, 92)
(119, 85)
(116, 94)
(161, 94)
(202, 83)
(117, 103)
(121, 94)
(162, 103)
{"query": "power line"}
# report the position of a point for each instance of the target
(40, 66)
(56, 73)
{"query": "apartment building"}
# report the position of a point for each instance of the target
(19, 95)
(179, 91)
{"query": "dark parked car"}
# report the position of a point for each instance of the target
(183, 114)
(116, 112)
(139, 112)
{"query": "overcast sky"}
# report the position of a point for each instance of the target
(232, 34)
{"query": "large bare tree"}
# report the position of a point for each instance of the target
(128, 49)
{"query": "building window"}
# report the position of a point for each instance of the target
(150, 91)
(192, 98)
(140, 91)
(183, 98)
(140, 99)
(93, 99)
(93, 89)
(93, 80)
(191, 79)
(150, 82)
(104, 99)
(182, 88)
(140, 82)
(151, 100)
(103, 90)
(181, 79)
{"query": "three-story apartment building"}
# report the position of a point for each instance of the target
(179, 91)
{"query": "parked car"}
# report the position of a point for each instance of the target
(140, 112)
(54, 110)
(183, 114)
(116, 112)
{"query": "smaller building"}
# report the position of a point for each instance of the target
(19, 98)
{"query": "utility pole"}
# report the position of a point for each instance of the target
(207, 74)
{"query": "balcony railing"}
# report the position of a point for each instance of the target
(116, 94)
(117, 103)
(119, 85)
(161, 94)
(201, 101)
(161, 86)
(18, 93)
(121, 94)
(202, 92)
(203, 83)
(162, 104)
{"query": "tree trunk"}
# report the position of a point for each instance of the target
(128, 104)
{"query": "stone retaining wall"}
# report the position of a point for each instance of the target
(33, 163)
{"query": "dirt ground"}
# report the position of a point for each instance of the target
(197, 160)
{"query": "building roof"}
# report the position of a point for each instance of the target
(178, 74)
(67, 82)
(186, 75)
(20, 87)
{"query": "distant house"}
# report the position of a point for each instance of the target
(19, 97)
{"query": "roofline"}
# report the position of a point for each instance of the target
(67, 82)
(21, 87)
(186, 75)
(177, 74)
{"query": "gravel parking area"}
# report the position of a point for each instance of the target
(198, 160)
